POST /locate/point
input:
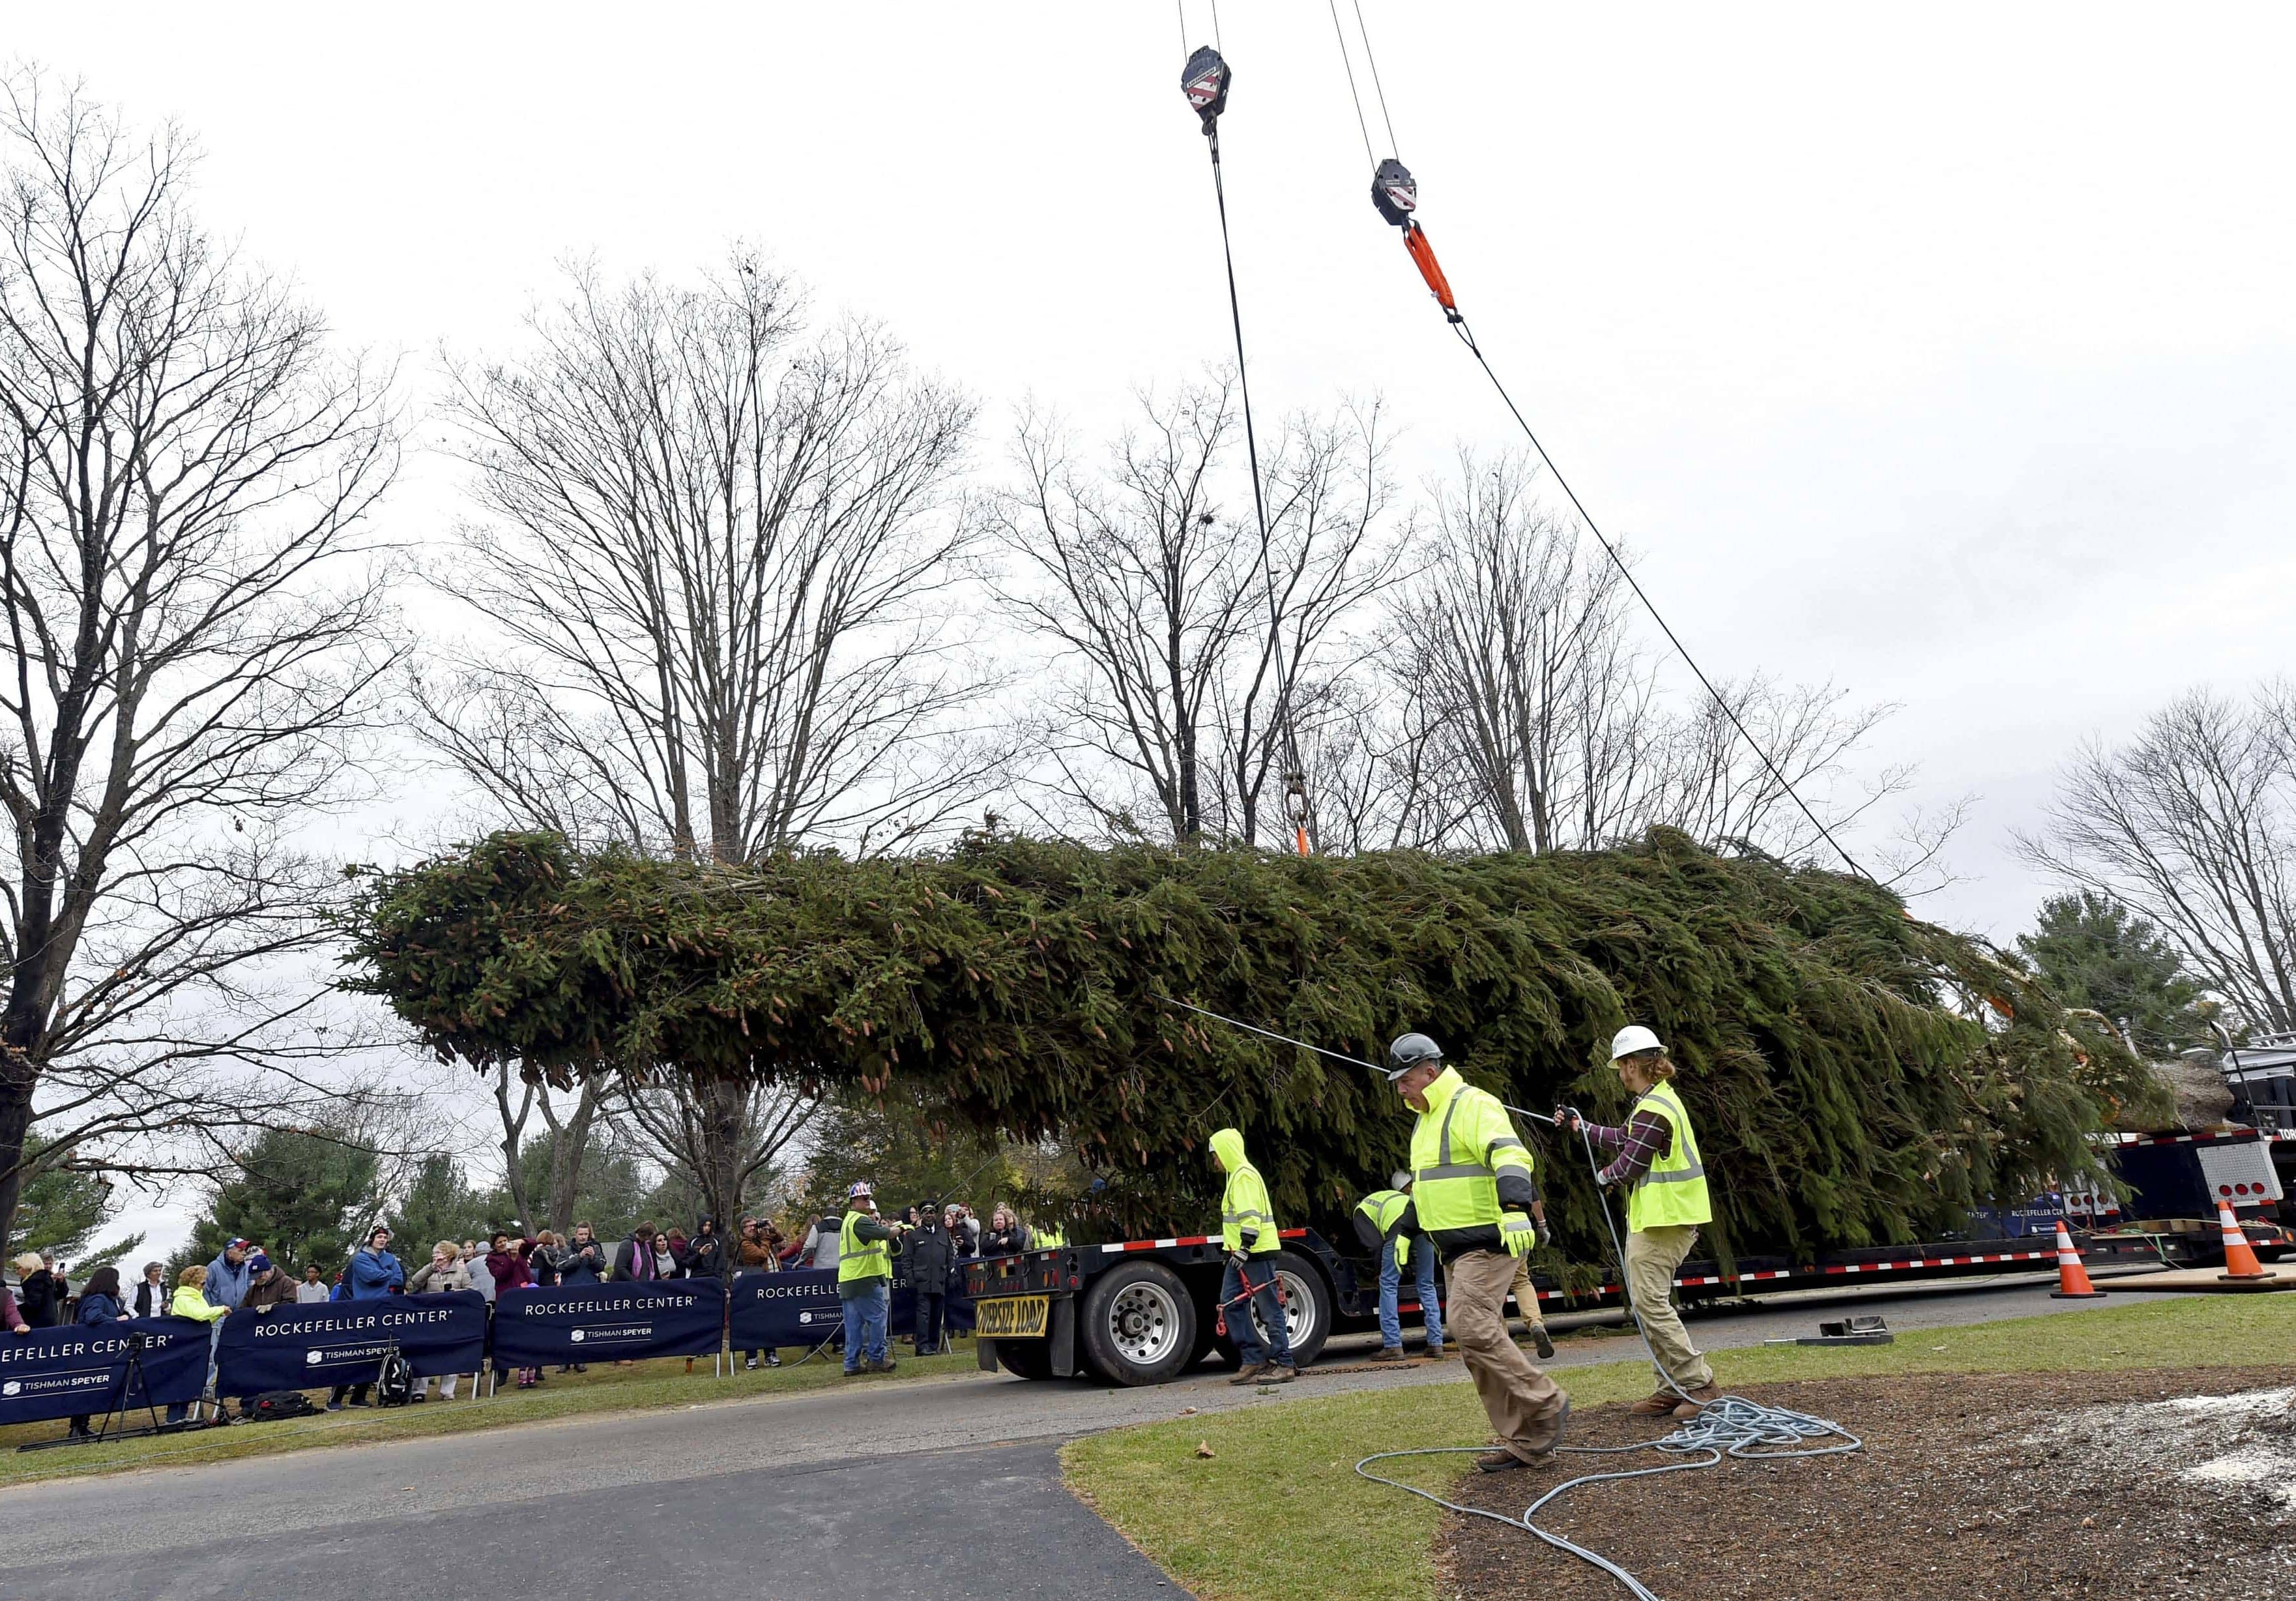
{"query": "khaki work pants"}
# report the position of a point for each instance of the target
(1653, 1255)
(1526, 1295)
(1514, 1394)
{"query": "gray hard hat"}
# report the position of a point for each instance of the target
(1399, 1179)
(1409, 1052)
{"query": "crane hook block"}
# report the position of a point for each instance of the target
(1205, 81)
(1394, 192)
(1423, 256)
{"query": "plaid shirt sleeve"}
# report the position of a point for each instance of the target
(1647, 1138)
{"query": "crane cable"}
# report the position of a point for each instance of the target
(1396, 195)
(1205, 80)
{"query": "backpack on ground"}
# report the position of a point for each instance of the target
(273, 1405)
(395, 1386)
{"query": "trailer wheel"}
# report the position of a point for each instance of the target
(1307, 1311)
(1026, 1358)
(1139, 1325)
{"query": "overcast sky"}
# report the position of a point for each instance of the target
(1943, 352)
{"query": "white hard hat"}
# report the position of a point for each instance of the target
(1632, 1038)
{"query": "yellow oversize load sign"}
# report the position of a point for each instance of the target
(1013, 1317)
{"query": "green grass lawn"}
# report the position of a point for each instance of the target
(604, 1388)
(1276, 1512)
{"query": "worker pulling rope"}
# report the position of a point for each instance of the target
(1727, 1425)
(1206, 80)
(1730, 1426)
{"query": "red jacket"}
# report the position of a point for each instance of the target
(510, 1270)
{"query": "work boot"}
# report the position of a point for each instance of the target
(1435, 1353)
(1698, 1400)
(886, 1366)
(1389, 1353)
(1499, 1462)
(1545, 1343)
(1659, 1403)
(1546, 1432)
(1284, 1374)
(1252, 1375)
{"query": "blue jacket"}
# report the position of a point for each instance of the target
(95, 1307)
(372, 1273)
(226, 1286)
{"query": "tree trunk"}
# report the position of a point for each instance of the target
(513, 1126)
(721, 1105)
(15, 1123)
(569, 1146)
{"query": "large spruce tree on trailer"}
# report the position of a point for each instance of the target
(193, 628)
(1858, 1076)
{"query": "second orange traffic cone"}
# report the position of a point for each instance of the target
(2072, 1278)
(2240, 1256)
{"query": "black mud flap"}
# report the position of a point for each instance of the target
(985, 1354)
(1063, 1337)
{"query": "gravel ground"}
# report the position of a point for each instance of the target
(1972, 1488)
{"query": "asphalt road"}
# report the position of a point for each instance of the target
(613, 1506)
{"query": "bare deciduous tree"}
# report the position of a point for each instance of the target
(516, 1101)
(1515, 643)
(717, 1137)
(2193, 825)
(722, 553)
(1189, 644)
(196, 629)
(1523, 715)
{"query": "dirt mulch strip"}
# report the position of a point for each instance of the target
(1947, 1503)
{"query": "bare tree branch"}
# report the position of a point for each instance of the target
(197, 632)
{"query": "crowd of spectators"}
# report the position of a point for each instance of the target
(242, 1274)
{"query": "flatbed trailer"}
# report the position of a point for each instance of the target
(1145, 1311)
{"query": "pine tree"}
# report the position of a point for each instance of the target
(58, 1209)
(439, 1205)
(304, 1195)
(1830, 1049)
(2095, 952)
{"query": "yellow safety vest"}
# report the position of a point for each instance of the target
(1384, 1207)
(858, 1257)
(1674, 1191)
(1244, 1203)
(1458, 1147)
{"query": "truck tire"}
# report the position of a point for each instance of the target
(1308, 1309)
(1138, 1324)
(1026, 1358)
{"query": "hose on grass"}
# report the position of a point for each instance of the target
(1729, 1426)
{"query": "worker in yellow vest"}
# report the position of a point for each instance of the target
(1472, 1193)
(1659, 1167)
(865, 1245)
(1526, 1296)
(1388, 1228)
(1248, 1232)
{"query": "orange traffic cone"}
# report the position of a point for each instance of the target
(2240, 1256)
(2072, 1278)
